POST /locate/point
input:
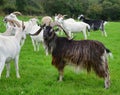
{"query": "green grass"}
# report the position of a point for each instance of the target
(39, 77)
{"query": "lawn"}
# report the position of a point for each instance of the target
(39, 77)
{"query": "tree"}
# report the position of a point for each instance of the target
(2, 2)
(21, 4)
(95, 11)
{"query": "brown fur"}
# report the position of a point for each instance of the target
(85, 53)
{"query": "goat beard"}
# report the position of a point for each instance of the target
(50, 44)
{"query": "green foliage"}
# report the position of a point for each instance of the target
(2, 2)
(8, 8)
(21, 4)
(94, 9)
(39, 77)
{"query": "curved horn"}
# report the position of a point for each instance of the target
(57, 24)
(64, 16)
(36, 33)
(17, 13)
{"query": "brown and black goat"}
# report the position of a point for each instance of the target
(89, 54)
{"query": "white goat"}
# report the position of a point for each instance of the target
(12, 16)
(10, 49)
(37, 39)
(30, 24)
(9, 26)
(27, 24)
(72, 26)
(58, 16)
(31, 27)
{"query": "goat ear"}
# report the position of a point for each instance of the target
(23, 26)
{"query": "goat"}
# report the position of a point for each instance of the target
(46, 20)
(30, 27)
(37, 39)
(28, 24)
(12, 16)
(72, 26)
(9, 32)
(94, 24)
(10, 48)
(89, 54)
(58, 16)
(36, 35)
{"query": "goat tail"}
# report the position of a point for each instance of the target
(88, 28)
(109, 53)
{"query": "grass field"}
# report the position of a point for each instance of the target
(39, 77)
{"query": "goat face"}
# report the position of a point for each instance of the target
(10, 17)
(48, 33)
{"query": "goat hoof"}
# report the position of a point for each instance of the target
(106, 86)
(7, 76)
(18, 77)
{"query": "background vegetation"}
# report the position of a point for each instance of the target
(39, 77)
(103, 9)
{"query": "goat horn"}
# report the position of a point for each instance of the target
(36, 33)
(64, 16)
(57, 24)
(64, 31)
(17, 13)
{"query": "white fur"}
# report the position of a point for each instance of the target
(31, 27)
(10, 50)
(72, 26)
(13, 16)
(36, 39)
